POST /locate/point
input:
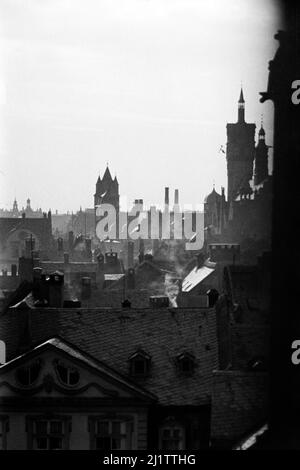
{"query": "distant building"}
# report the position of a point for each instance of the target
(15, 212)
(24, 234)
(245, 216)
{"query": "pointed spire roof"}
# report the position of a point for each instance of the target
(107, 175)
(261, 130)
(241, 99)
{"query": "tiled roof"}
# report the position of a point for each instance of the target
(239, 403)
(74, 266)
(113, 335)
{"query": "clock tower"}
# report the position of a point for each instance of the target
(240, 153)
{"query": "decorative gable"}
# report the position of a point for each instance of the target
(56, 369)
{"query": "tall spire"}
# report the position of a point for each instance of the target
(107, 174)
(241, 107)
(241, 100)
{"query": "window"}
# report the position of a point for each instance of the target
(186, 363)
(48, 433)
(26, 376)
(4, 428)
(111, 433)
(68, 375)
(172, 437)
(140, 364)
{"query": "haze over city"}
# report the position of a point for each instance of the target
(145, 86)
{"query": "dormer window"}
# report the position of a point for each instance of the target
(68, 375)
(140, 364)
(27, 375)
(186, 363)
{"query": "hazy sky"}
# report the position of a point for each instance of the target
(146, 85)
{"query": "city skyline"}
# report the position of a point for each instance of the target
(148, 87)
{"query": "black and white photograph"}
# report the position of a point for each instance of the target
(149, 228)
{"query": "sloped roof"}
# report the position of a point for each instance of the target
(73, 266)
(239, 402)
(112, 335)
(196, 276)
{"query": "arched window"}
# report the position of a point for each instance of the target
(68, 375)
(27, 375)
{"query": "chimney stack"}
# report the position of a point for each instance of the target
(14, 270)
(60, 245)
(166, 196)
(130, 254)
(176, 197)
(56, 290)
(130, 279)
(85, 288)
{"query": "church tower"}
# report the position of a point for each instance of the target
(240, 153)
(261, 158)
(107, 191)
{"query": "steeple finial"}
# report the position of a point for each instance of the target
(241, 99)
(241, 107)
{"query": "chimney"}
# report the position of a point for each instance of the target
(159, 301)
(213, 296)
(130, 278)
(85, 288)
(166, 197)
(56, 289)
(100, 260)
(37, 273)
(66, 258)
(29, 246)
(111, 258)
(224, 252)
(60, 244)
(2, 353)
(141, 250)
(37, 290)
(88, 248)
(71, 240)
(25, 269)
(200, 260)
(130, 252)
(176, 197)
(88, 244)
(13, 270)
